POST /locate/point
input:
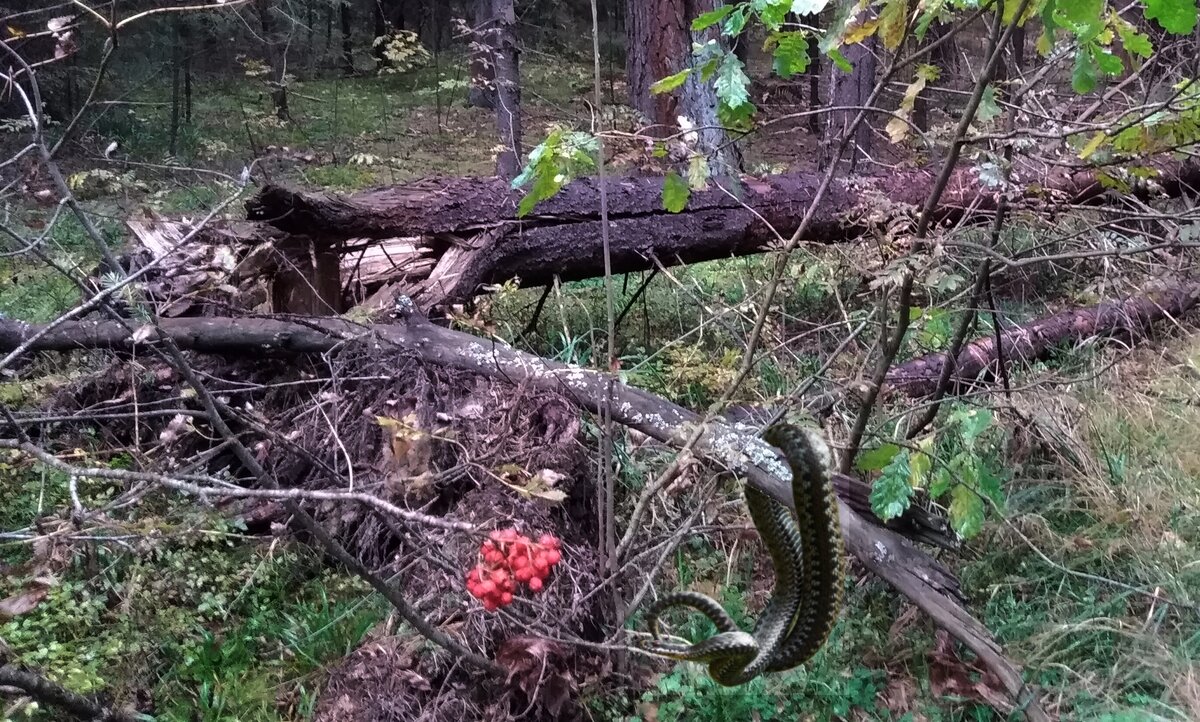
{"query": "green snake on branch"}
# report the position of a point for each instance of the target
(808, 556)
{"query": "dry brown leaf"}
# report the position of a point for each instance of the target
(537, 665)
(22, 603)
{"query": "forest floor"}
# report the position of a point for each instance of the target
(217, 624)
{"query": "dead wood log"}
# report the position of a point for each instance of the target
(926, 582)
(470, 224)
(1131, 317)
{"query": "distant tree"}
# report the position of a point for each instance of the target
(850, 90)
(347, 37)
(273, 46)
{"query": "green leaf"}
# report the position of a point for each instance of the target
(931, 12)
(670, 82)
(711, 18)
(675, 193)
(733, 85)
(989, 485)
(1049, 26)
(544, 186)
(1085, 18)
(739, 118)
(966, 511)
(988, 107)
(1135, 43)
(891, 494)
(1110, 64)
(942, 481)
(791, 53)
(971, 422)
(1083, 79)
(876, 459)
(1175, 16)
(840, 61)
(772, 14)
(736, 22)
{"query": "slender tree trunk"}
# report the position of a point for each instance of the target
(176, 81)
(851, 91)
(1018, 48)
(381, 30)
(660, 44)
(814, 73)
(347, 42)
(310, 20)
(482, 93)
(185, 36)
(508, 88)
(328, 26)
(275, 57)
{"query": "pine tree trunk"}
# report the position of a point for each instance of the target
(508, 88)
(850, 91)
(482, 93)
(347, 42)
(659, 41)
(273, 48)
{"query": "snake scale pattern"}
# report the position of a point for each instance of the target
(807, 552)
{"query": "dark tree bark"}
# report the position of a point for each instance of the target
(659, 43)
(310, 29)
(469, 226)
(347, 38)
(381, 29)
(177, 53)
(328, 26)
(1018, 48)
(814, 79)
(185, 35)
(1131, 317)
(851, 91)
(273, 47)
(482, 93)
(508, 88)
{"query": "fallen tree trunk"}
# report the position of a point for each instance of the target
(1131, 317)
(464, 233)
(919, 577)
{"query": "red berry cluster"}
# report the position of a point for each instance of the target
(509, 559)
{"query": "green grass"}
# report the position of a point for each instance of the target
(215, 625)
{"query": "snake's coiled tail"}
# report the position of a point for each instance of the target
(807, 554)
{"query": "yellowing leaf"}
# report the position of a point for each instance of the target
(897, 127)
(891, 23)
(1093, 145)
(920, 463)
(861, 31)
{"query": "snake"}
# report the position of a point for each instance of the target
(808, 556)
